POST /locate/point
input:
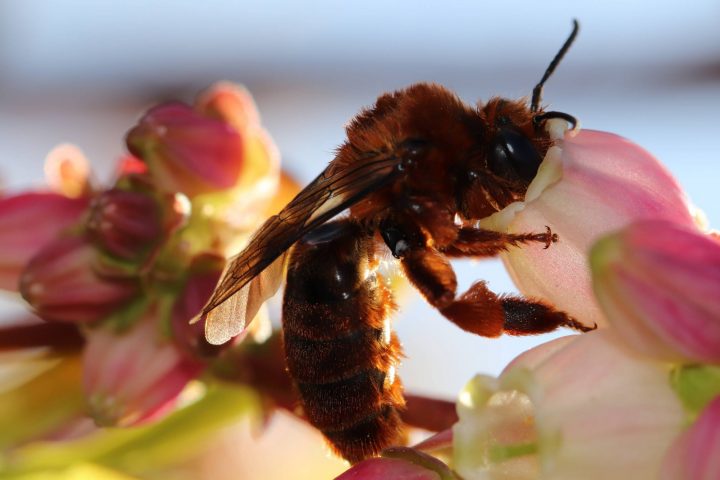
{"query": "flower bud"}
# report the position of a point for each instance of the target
(586, 408)
(205, 273)
(67, 171)
(125, 224)
(28, 222)
(186, 151)
(400, 463)
(659, 285)
(258, 180)
(133, 375)
(230, 103)
(589, 184)
(64, 282)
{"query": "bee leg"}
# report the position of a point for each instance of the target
(526, 317)
(479, 310)
(475, 242)
(431, 273)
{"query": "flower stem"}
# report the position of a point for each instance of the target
(55, 335)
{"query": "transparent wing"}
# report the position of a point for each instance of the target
(247, 281)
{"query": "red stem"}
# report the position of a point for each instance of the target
(57, 335)
(429, 413)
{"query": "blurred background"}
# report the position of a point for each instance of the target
(82, 71)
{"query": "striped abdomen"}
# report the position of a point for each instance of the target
(339, 348)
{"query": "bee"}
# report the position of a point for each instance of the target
(416, 172)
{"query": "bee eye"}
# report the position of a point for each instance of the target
(513, 155)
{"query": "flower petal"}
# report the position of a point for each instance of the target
(205, 272)
(62, 283)
(400, 463)
(604, 412)
(388, 468)
(27, 222)
(230, 103)
(67, 171)
(129, 377)
(695, 454)
(659, 285)
(595, 182)
(577, 407)
(126, 224)
(186, 151)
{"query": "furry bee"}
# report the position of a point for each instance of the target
(415, 173)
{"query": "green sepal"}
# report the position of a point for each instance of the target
(696, 386)
(124, 318)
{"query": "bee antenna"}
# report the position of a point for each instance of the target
(537, 91)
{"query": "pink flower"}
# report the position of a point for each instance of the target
(591, 183)
(27, 222)
(187, 152)
(659, 285)
(400, 463)
(577, 407)
(204, 274)
(695, 454)
(133, 375)
(258, 180)
(230, 103)
(67, 282)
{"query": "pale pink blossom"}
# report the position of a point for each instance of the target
(577, 407)
(590, 183)
(695, 454)
(130, 376)
(658, 283)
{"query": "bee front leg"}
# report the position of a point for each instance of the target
(476, 242)
(479, 310)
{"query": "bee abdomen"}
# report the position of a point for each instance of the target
(338, 346)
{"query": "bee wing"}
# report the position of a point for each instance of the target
(247, 282)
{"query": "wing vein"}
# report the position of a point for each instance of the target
(301, 215)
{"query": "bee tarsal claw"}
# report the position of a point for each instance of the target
(550, 237)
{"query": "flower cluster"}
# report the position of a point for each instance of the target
(130, 264)
(640, 396)
(116, 273)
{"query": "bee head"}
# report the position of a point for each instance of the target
(517, 138)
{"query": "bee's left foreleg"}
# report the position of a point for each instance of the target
(476, 242)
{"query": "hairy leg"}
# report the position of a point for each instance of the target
(479, 310)
(475, 242)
